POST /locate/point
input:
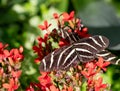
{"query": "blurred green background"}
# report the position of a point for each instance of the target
(19, 21)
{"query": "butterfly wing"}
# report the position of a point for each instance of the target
(82, 51)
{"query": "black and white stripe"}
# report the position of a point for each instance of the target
(83, 50)
(108, 56)
(69, 36)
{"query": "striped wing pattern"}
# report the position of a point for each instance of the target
(108, 56)
(69, 36)
(83, 50)
(73, 37)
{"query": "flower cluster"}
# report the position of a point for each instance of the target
(92, 72)
(72, 79)
(64, 21)
(10, 62)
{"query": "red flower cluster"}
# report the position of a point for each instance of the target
(45, 84)
(91, 71)
(9, 67)
(45, 44)
(41, 50)
(72, 79)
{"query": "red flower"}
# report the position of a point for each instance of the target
(40, 49)
(90, 65)
(63, 42)
(70, 88)
(67, 17)
(99, 85)
(56, 16)
(30, 88)
(41, 40)
(102, 64)
(45, 26)
(89, 69)
(16, 74)
(90, 82)
(11, 86)
(3, 46)
(53, 88)
(88, 73)
(34, 87)
(16, 54)
(3, 52)
(83, 33)
(44, 79)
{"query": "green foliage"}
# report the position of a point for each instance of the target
(19, 21)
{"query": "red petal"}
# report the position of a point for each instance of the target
(72, 14)
(70, 88)
(46, 23)
(6, 85)
(100, 62)
(106, 64)
(1, 45)
(85, 29)
(55, 15)
(16, 73)
(6, 53)
(103, 85)
(53, 88)
(42, 27)
(66, 16)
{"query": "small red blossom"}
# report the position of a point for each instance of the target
(45, 26)
(99, 85)
(42, 50)
(34, 86)
(6, 53)
(44, 79)
(67, 88)
(63, 42)
(88, 73)
(3, 46)
(3, 52)
(16, 74)
(43, 40)
(85, 29)
(11, 86)
(37, 60)
(89, 69)
(83, 33)
(70, 88)
(16, 55)
(102, 64)
(40, 53)
(67, 17)
(90, 65)
(90, 82)
(30, 88)
(56, 16)
(53, 88)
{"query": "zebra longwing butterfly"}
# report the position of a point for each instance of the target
(83, 50)
(79, 50)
